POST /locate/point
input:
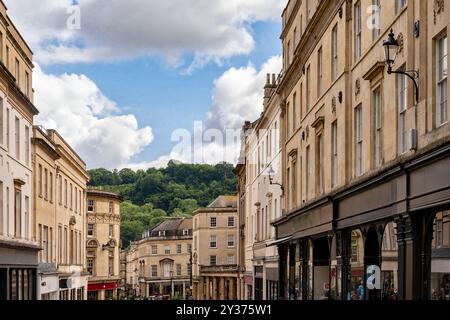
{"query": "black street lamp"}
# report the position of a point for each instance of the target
(391, 47)
(271, 173)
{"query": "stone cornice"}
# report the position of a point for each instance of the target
(325, 13)
(14, 88)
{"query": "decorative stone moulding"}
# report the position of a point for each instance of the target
(401, 42)
(333, 105)
(357, 87)
(438, 7)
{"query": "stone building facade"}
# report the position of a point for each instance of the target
(215, 237)
(103, 244)
(261, 196)
(159, 266)
(18, 239)
(59, 197)
(371, 189)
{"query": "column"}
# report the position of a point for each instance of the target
(215, 295)
(414, 238)
(102, 295)
(264, 286)
(172, 292)
(184, 290)
(232, 286)
(305, 268)
(222, 289)
(160, 288)
(201, 290)
(291, 271)
(346, 253)
(194, 291)
(208, 297)
(281, 270)
(238, 288)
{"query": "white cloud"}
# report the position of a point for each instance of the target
(88, 120)
(118, 29)
(237, 97)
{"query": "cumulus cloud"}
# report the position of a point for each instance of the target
(116, 29)
(237, 97)
(88, 120)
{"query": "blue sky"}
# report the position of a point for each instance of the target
(149, 86)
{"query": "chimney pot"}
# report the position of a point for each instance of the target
(268, 78)
(274, 78)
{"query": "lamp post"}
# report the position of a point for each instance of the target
(391, 47)
(271, 173)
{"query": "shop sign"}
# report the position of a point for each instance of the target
(249, 280)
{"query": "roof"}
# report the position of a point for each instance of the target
(105, 194)
(170, 224)
(186, 224)
(170, 227)
(224, 202)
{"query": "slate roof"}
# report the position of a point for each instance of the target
(168, 225)
(224, 202)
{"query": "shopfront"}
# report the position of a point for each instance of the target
(102, 291)
(272, 284)
(18, 281)
(249, 286)
(259, 281)
(373, 241)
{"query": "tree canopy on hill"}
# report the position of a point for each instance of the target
(153, 194)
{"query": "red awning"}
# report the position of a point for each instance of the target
(249, 280)
(102, 286)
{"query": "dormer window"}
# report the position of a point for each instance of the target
(162, 233)
(185, 232)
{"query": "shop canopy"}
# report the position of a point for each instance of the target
(278, 241)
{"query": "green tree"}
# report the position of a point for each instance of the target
(153, 194)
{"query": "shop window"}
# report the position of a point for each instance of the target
(109, 294)
(389, 265)
(356, 289)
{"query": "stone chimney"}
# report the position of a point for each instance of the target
(269, 88)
